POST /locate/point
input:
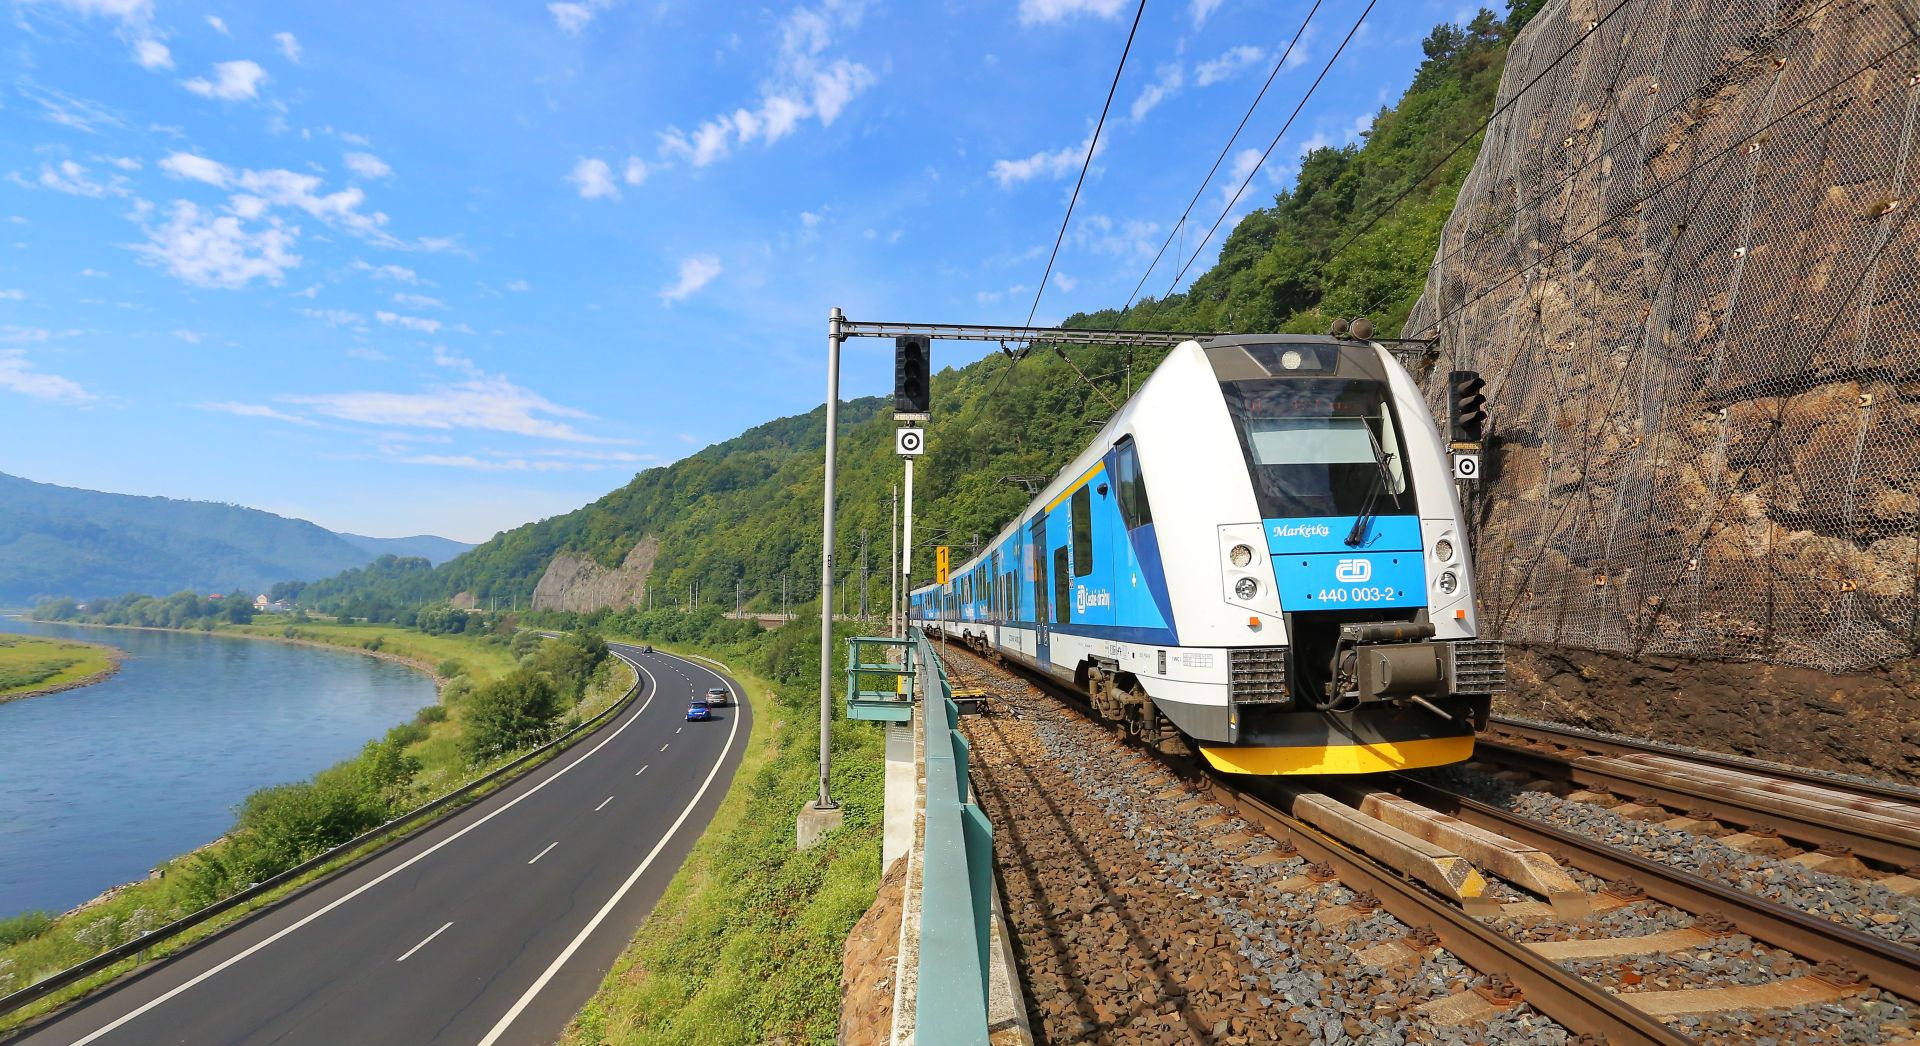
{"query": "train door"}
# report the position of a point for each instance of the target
(1042, 616)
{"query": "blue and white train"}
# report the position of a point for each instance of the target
(1263, 551)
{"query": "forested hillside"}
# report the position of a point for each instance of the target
(63, 541)
(747, 511)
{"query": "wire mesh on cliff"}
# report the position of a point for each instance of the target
(1685, 266)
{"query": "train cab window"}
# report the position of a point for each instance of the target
(1082, 505)
(1320, 446)
(1062, 588)
(1130, 486)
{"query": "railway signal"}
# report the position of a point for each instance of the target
(1466, 406)
(942, 563)
(912, 389)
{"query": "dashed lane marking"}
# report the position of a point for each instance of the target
(640, 771)
(603, 804)
(664, 747)
(422, 944)
(543, 853)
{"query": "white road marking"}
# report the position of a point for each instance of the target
(664, 747)
(677, 729)
(543, 853)
(640, 771)
(600, 916)
(603, 804)
(382, 877)
(422, 944)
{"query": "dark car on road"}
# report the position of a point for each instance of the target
(719, 695)
(698, 712)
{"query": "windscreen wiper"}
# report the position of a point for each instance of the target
(1382, 480)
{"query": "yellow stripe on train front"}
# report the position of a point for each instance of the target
(1342, 759)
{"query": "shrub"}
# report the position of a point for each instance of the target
(23, 927)
(449, 668)
(458, 689)
(431, 714)
(513, 712)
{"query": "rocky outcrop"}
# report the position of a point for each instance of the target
(575, 582)
(1859, 723)
(1684, 262)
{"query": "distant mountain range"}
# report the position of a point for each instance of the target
(63, 541)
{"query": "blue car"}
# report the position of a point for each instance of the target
(698, 711)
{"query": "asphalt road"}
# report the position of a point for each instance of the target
(494, 926)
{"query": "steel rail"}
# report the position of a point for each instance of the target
(1886, 964)
(1723, 803)
(1571, 737)
(1568, 999)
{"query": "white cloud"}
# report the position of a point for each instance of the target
(487, 402)
(256, 410)
(70, 178)
(152, 54)
(125, 163)
(218, 25)
(17, 374)
(1055, 164)
(1227, 65)
(210, 250)
(413, 323)
(335, 317)
(396, 273)
(418, 301)
(519, 285)
(1244, 163)
(803, 84)
(1170, 81)
(1201, 9)
(635, 172)
(95, 274)
(232, 81)
(367, 165)
(695, 272)
(1064, 282)
(1038, 11)
(312, 291)
(572, 16)
(289, 46)
(197, 168)
(13, 294)
(188, 336)
(594, 179)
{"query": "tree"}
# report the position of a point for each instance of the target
(516, 711)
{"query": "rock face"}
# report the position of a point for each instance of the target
(575, 582)
(1684, 262)
(1860, 723)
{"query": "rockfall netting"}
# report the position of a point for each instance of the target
(1685, 262)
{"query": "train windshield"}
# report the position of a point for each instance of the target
(1320, 446)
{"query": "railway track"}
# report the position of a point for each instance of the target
(1843, 816)
(1659, 956)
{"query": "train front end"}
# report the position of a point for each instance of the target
(1346, 585)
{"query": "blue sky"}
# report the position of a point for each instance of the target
(450, 267)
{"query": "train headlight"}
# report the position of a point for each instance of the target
(1443, 550)
(1447, 582)
(1246, 588)
(1291, 359)
(1241, 555)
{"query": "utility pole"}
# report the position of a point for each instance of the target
(863, 573)
(737, 606)
(823, 814)
(784, 616)
(893, 580)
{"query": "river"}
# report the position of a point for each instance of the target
(100, 784)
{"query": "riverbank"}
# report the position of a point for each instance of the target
(416, 761)
(32, 666)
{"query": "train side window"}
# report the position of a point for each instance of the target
(1062, 588)
(1082, 504)
(1130, 486)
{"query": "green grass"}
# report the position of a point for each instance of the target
(29, 664)
(33, 945)
(745, 945)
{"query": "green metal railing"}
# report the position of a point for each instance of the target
(956, 891)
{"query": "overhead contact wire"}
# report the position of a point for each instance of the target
(1248, 180)
(1093, 144)
(1218, 160)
